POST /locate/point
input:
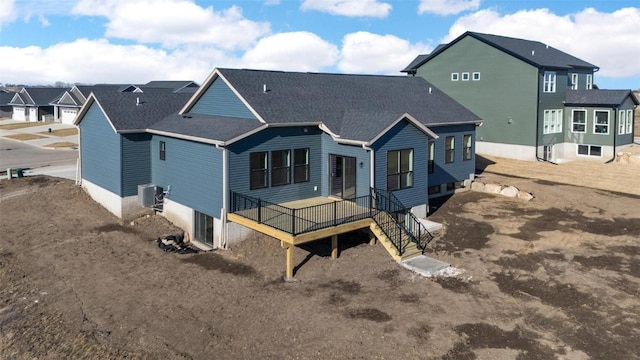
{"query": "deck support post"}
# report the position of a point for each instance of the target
(289, 271)
(334, 246)
(372, 238)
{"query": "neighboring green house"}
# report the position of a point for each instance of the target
(536, 102)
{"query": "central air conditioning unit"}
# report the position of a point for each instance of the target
(147, 195)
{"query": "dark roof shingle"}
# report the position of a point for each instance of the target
(599, 97)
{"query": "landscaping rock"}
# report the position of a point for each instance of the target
(523, 195)
(509, 191)
(492, 188)
(477, 186)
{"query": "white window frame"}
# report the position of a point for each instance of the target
(574, 123)
(549, 82)
(622, 122)
(455, 76)
(574, 81)
(590, 149)
(465, 76)
(629, 122)
(475, 76)
(596, 124)
(589, 82)
(552, 121)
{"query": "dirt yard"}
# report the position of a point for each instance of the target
(554, 278)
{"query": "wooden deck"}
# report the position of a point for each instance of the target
(301, 221)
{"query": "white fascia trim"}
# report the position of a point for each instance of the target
(412, 120)
(24, 91)
(186, 137)
(457, 123)
(207, 82)
(12, 102)
(244, 135)
(324, 128)
(92, 98)
(253, 111)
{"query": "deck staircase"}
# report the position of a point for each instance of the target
(397, 229)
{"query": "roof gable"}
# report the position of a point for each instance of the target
(532, 52)
(134, 112)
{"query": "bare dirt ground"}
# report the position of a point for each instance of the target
(554, 278)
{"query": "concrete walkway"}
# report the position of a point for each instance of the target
(429, 267)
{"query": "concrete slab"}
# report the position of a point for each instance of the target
(425, 266)
(430, 225)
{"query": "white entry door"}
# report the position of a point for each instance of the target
(33, 114)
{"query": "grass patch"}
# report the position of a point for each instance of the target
(21, 125)
(62, 132)
(23, 137)
(61, 144)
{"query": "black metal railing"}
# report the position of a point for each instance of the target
(395, 220)
(301, 220)
(413, 229)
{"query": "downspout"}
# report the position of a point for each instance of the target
(225, 196)
(615, 133)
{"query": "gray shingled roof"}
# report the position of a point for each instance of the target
(355, 107)
(532, 52)
(154, 106)
(599, 97)
(5, 97)
(217, 128)
(42, 96)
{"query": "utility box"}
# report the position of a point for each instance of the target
(146, 195)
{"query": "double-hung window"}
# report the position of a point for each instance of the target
(601, 122)
(466, 151)
(622, 122)
(300, 165)
(629, 121)
(280, 167)
(549, 81)
(258, 164)
(589, 82)
(552, 121)
(399, 169)
(432, 156)
(449, 149)
(163, 150)
(574, 81)
(578, 121)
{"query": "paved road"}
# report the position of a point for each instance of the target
(16, 154)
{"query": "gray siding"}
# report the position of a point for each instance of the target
(459, 169)
(404, 136)
(552, 101)
(192, 171)
(280, 138)
(136, 162)
(329, 146)
(220, 100)
(100, 151)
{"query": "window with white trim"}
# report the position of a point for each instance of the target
(578, 121)
(466, 150)
(399, 169)
(590, 150)
(454, 77)
(552, 121)
(431, 157)
(163, 150)
(476, 76)
(574, 81)
(629, 122)
(449, 151)
(601, 122)
(435, 189)
(549, 82)
(589, 82)
(465, 76)
(622, 122)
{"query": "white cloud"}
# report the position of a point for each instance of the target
(98, 61)
(364, 52)
(350, 8)
(175, 22)
(293, 51)
(447, 7)
(7, 12)
(607, 40)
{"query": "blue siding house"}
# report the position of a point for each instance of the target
(288, 154)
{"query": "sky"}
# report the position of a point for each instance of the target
(136, 41)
